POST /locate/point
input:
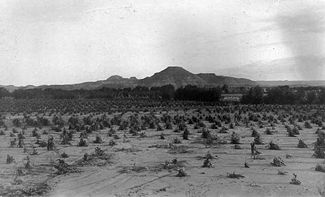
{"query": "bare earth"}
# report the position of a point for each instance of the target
(135, 168)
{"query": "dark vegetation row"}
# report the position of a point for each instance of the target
(254, 95)
(284, 95)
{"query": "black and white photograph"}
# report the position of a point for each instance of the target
(162, 98)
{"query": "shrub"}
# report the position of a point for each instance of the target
(10, 159)
(98, 140)
(82, 142)
(273, 146)
(258, 139)
(278, 162)
(181, 173)
(186, 134)
(64, 155)
(207, 163)
(294, 180)
(235, 138)
(177, 141)
(268, 131)
(308, 125)
(234, 175)
(320, 168)
(301, 144)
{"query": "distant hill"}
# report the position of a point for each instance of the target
(176, 76)
(214, 80)
(114, 81)
(173, 75)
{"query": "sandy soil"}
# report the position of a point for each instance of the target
(136, 166)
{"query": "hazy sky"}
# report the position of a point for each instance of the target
(70, 41)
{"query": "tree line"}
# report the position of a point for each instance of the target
(254, 95)
(168, 92)
(284, 95)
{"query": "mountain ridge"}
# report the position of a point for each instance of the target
(172, 75)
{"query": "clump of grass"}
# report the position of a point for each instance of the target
(34, 151)
(237, 146)
(307, 125)
(98, 139)
(82, 142)
(10, 159)
(294, 180)
(254, 132)
(64, 168)
(223, 130)
(268, 131)
(111, 143)
(174, 149)
(174, 164)
(176, 140)
(28, 164)
(99, 158)
(13, 143)
(162, 136)
(50, 143)
(39, 189)
(64, 155)
(302, 144)
(186, 133)
(205, 133)
(273, 146)
(235, 138)
(290, 132)
(288, 156)
(319, 147)
(258, 139)
(143, 134)
(133, 168)
(181, 172)
(235, 176)
(280, 172)
(278, 162)
(320, 168)
(207, 163)
(41, 143)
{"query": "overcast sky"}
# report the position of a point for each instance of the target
(70, 41)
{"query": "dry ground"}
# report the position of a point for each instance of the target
(136, 167)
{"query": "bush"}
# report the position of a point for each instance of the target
(10, 159)
(273, 146)
(186, 134)
(301, 144)
(268, 131)
(82, 142)
(235, 138)
(308, 125)
(258, 139)
(278, 162)
(234, 175)
(320, 168)
(177, 141)
(98, 140)
(207, 163)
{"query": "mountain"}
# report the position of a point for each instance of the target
(12, 88)
(173, 75)
(213, 80)
(114, 81)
